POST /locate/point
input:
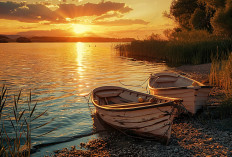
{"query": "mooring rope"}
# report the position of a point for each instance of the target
(88, 101)
(136, 85)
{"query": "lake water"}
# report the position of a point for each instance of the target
(59, 74)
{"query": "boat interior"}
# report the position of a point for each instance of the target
(166, 81)
(110, 97)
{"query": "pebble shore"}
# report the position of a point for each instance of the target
(191, 135)
(189, 138)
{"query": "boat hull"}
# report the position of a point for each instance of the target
(152, 123)
(146, 119)
(194, 94)
(193, 99)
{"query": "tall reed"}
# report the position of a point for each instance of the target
(16, 126)
(183, 48)
(221, 74)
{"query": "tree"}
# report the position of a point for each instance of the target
(200, 19)
(182, 11)
(220, 15)
(154, 37)
(222, 21)
(191, 14)
(214, 3)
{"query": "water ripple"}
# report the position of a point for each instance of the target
(59, 73)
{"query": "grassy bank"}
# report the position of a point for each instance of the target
(184, 48)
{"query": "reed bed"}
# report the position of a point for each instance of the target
(16, 124)
(221, 74)
(186, 48)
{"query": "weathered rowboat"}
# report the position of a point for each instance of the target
(134, 112)
(193, 93)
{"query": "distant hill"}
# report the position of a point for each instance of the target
(23, 40)
(79, 39)
(3, 39)
(13, 38)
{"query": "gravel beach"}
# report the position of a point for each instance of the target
(191, 135)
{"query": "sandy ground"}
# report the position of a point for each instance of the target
(197, 72)
(191, 135)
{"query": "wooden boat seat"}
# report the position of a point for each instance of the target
(117, 100)
(166, 79)
(105, 94)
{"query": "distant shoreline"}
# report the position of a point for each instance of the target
(68, 39)
(66, 42)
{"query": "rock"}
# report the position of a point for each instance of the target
(225, 134)
(176, 150)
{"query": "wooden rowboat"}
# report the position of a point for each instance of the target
(134, 112)
(193, 93)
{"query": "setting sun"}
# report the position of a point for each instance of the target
(82, 18)
(97, 71)
(80, 29)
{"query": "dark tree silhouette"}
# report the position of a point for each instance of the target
(182, 10)
(211, 15)
(3, 39)
(222, 21)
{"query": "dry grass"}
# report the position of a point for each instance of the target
(221, 74)
(15, 122)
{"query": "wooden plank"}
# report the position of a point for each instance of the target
(114, 101)
(136, 125)
(122, 105)
(118, 100)
(166, 79)
(137, 113)
(108, 93)
(138, 119)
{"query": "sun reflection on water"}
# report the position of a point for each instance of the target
(61, 77)
(80, 48)
(81, 69)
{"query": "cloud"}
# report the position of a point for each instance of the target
(26, 12)
(27, 27)
(41, 12)
(121, 22)
(91, 9)
(53, 32)
(140, 34)
(110, 15)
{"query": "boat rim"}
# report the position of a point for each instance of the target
(144, 105)
(201, 85)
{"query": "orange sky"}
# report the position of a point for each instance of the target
(114, 18)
